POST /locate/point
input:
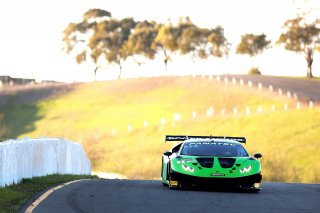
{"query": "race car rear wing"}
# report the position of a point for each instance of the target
(186, 137)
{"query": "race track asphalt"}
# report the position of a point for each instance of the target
(141, 196)
(306, 90)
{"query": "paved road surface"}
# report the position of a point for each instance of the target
(306, 90)
(133, 196)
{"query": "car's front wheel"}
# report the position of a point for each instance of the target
(255, 190)
(173, 183)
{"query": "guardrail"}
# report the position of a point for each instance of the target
(26, 158)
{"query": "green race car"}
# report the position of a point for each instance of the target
(210, 161)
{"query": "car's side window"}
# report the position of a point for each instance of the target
(242, 152)
(176, 148)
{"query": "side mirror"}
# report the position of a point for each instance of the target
(257, 155)
(167, 153)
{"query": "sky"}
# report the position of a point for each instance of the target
(31, 35)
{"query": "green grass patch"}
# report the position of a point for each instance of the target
(13, 197)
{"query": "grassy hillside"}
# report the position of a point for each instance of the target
(98, 114)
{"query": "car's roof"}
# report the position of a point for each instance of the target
(212, 140)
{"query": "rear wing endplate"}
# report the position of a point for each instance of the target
(186, 137)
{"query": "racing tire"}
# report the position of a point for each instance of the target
(179, 186)
(255, 190)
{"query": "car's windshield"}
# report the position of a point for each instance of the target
(223, 149)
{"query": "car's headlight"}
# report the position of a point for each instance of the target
(246, 169)
(187, 168)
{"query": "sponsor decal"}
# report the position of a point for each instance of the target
(185, 137)
(217, 174)
(212, 143)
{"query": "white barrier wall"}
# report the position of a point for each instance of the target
(26, 158)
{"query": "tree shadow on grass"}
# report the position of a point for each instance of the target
(17, 119)
(19, 110)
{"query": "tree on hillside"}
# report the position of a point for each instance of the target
(111, 37)
(93, 15)
(76, 37)
(219, 45)
(100, 39)
(141, 40)
(166, 41)
(301, 37)
(194, 40)
(203, 42)
(253, 45)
